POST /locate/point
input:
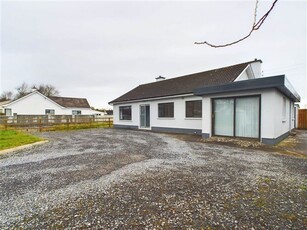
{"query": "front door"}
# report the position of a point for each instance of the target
(144, 116)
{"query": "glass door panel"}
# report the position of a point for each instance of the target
(144, 116)
(224, 117)
(247, 117)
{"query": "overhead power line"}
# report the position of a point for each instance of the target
(256, 26)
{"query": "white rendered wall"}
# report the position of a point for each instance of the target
(256, 68)
(272, 124)
(36, 104)
(282, 125)
(178, 121)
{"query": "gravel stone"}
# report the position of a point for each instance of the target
(123, 179)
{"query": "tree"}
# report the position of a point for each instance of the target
(48, 90)
(22, 90)
(6, 95)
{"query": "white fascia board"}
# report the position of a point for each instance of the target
(30, 94)
(246, 68)
(153, 99)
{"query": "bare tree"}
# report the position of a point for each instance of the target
(48, 90)
(256, 26)
(23, 90)
(6, 95)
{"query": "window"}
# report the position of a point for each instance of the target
(49, 111)
(8, 112)
(125, 112)
(76, 112)
(193, 108)
(284, 109)
(166, 109)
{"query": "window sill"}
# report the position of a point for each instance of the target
(193, 118)
(165, 118)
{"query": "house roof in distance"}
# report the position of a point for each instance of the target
(70, 102)
(5, 102)
(66, 102)
(184, 84)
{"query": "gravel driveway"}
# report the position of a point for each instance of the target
(121, 179)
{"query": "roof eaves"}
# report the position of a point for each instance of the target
(151, 98)
(278, 82)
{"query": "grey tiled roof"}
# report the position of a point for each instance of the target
(70, 102)
(185, 84)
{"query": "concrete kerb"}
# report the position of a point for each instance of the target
(5, 151)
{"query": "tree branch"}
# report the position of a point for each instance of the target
(256, 26)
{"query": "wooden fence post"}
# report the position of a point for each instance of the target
(40, 124)
(67, 122)
(5, 123)
(109, 121)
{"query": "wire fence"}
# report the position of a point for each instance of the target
(53, 122)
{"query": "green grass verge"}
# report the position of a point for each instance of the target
(76, 126)
(12, 138)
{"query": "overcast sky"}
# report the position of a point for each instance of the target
(100, 50)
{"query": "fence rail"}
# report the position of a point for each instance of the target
(53, 122)
(302, 119)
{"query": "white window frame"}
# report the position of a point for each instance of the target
(76, 112)
(6, 112)
(50, 113)
(161, 109)
(121, 116)
(284, 109)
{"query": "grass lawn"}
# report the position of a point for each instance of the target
(11, 138)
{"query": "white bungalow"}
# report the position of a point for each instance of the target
(230, 101)
(36, 103)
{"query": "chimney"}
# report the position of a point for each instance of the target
(33, 89)
(160, 78)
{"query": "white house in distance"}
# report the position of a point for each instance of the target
(36, 103)
(230, 101)
(2, 103)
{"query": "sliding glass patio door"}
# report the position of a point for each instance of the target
(223, 117)
(237, 116)
(247, 117)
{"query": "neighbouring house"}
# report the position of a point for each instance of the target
(232, 101)
(36, 103)
(2, 103)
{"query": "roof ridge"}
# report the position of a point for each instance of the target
(67, 97)
(187, 75)
(185, 84)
